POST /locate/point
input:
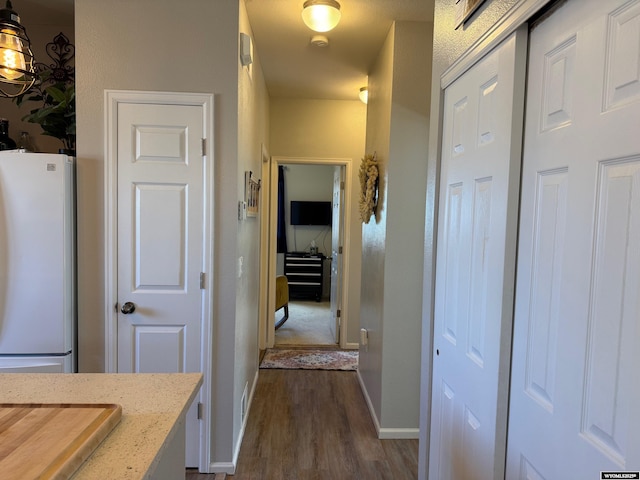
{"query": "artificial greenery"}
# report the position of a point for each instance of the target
(57, 115)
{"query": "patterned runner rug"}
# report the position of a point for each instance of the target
(310, 359)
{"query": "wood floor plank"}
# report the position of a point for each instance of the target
(314, 424)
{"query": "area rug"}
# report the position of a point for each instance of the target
(304, 359)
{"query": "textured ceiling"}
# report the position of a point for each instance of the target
(292, 67)
(295, 68)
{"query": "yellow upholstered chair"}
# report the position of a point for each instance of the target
(282, 298)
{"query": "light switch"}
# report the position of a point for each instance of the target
(364, 338)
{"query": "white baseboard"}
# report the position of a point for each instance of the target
(222, 467)
(398, 433)
(386, 433)
(236, 451)
(372, 411)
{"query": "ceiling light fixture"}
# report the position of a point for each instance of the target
(17, 72)
(364, 94)
(321, 15)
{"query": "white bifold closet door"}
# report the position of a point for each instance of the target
(575, 390)
(477, 226)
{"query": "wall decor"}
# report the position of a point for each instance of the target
(55, 93)
(464, 9)
(252, 193)
(368, 187)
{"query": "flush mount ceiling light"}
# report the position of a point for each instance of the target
(17, 72)
(321, 15)
(364, 94)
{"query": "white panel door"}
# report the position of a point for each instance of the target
(336, 252)
(575, 392)
(161, 243)
(477, 224)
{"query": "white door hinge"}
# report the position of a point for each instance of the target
(202, 281)
(204, 147)
(338, 313)
(200, 411)
(340, 250)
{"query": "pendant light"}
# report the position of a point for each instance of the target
(321, 15)
(17, 72)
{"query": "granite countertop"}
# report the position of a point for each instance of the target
(153, 404)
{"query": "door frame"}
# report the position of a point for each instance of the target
(268, 340)
(112, 99)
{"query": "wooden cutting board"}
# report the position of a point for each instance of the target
(50, 441)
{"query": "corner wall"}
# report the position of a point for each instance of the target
(392, 253)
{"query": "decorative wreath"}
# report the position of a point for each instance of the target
(368, 187)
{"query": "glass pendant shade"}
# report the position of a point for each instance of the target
(11, 56)
(321, 15)
(17, 71)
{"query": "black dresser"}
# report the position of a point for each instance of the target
(305, 274)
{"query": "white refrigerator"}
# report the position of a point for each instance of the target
(37, 263)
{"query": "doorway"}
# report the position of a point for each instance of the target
(316, 244)
(158, 172)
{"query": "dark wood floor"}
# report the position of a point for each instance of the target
(313, 424)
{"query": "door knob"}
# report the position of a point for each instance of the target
(128, 307)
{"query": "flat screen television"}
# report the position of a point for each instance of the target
(310, 213)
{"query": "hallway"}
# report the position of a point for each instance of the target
(312, 424)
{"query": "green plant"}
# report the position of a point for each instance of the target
(57, 115)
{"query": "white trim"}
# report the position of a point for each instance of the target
(372, 411)
(509, 23)
(351, 346)
(265, 248)
(243, 427)
(113, 98)
(385, 433)
(346, 229)
(398, 433)
(222, 467)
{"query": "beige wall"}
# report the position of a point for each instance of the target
(374, 233)
(327, 129)
(308, 183)
(397, 130)
(126, 45)
(253, 128)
